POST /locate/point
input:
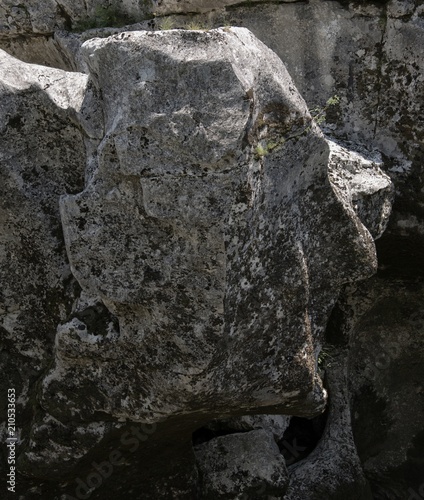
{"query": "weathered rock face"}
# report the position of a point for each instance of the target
(220, 265)
(241, 466)
(44, 18)
(333, 469)
(206, 244)
(42, 155)
(166, 7)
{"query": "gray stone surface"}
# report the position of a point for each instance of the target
(333, 469)
(166, 7)
(384, 321)
(42, 155)
(154, 267)
(358, 179)
(367, 53)
(205, 251)
(240, 466)
(43, 18)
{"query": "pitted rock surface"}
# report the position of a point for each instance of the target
(204, 248)
(42, 155)
(210, 256)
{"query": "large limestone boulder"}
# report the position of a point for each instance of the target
(206, 248)
(220, 260)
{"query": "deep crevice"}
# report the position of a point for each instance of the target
(301, 437)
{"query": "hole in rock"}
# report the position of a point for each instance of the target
(301, 437)
(98, 319)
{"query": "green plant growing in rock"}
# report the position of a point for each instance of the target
(319, 112)
(261, 151)
(167, 23)
(318, 115)
(196, 25)
(271, 145)
(325, 358)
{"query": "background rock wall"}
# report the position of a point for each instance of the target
(367, 53)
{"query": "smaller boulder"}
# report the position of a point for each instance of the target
(241, 466)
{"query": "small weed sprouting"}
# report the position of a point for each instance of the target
(226, 22)
(270, 146)
(167, 23)
(194, 25)
(333, 100)
(275, 145)
(261, 151)
(197, 26)
(319, 113)
(325, 358)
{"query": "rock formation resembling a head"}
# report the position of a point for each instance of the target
(217, 224)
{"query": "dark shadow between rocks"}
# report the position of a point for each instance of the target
(301, 437)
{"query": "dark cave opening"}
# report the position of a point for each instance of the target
(301, 437)
(298, 441)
